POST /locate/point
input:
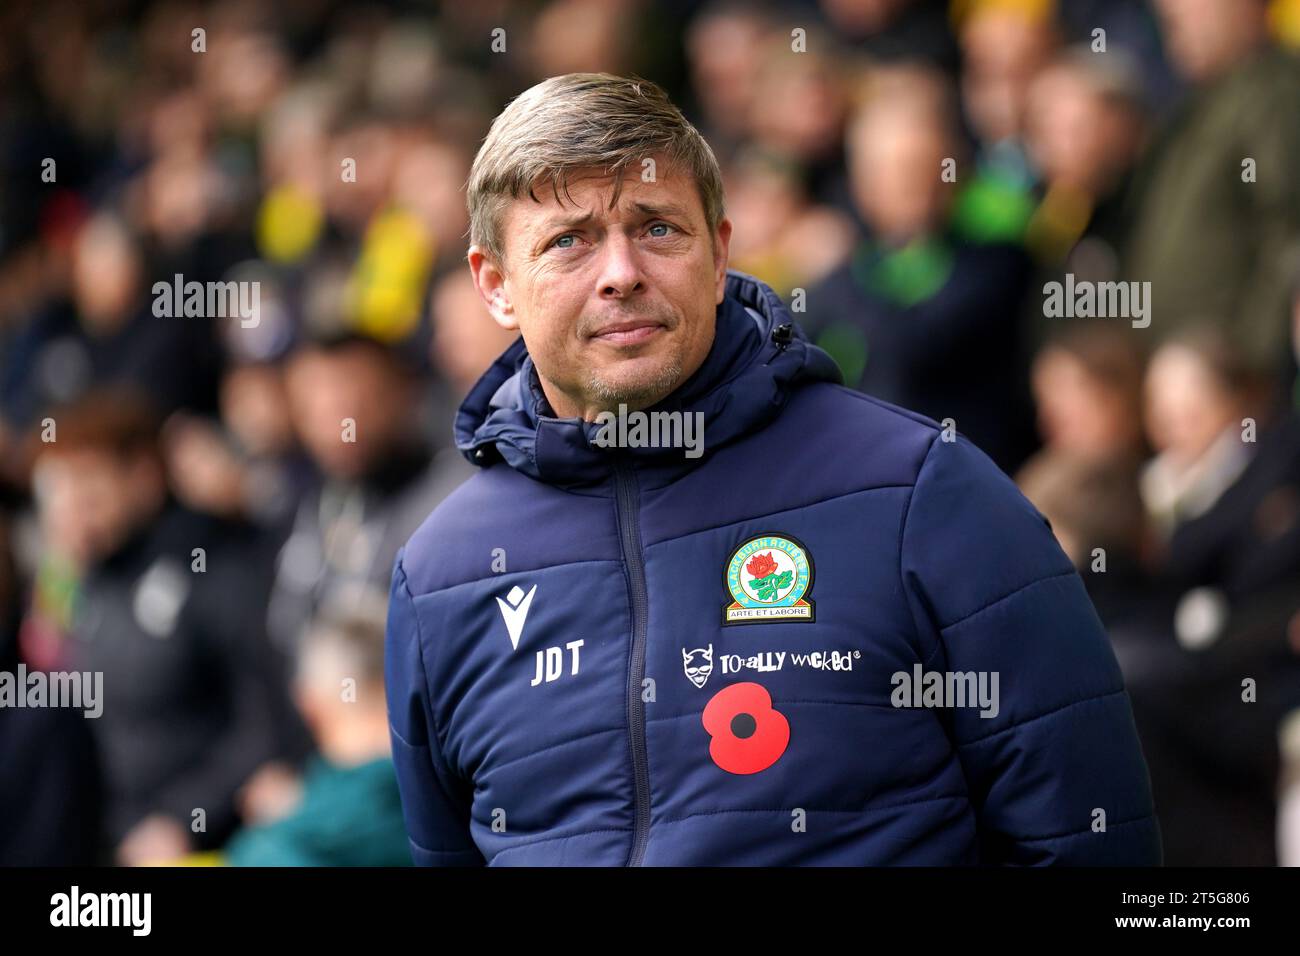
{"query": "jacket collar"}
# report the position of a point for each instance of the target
(743, 383)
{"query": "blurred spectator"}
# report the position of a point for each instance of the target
(248, 468)
(192, 696)
(1197, 393)
(355, 407)
(1209, 702)
(1084, 130)
(1225, 484)
(920, 315)
(800, 104)
(348, 811)
(720, 44)
(1005, 44)
(1218, 216)
(779, 233)
(1087, 386)
(49, 780)
(107, 335)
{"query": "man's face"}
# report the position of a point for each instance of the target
(329, 389)
(892, 161)
(1205, 37)
(1078, 413)
(91, 501)
(615, 305)
(1187, 408)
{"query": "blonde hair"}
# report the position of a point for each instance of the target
(578, 121)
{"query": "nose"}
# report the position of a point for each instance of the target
(620, 269)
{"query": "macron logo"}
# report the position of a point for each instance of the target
(516, 612)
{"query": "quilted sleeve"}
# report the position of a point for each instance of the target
(435, 804)
(1055, 769)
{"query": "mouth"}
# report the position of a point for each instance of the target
(630, 332)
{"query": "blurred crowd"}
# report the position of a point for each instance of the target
(207, 510)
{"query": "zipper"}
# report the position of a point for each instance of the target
(630, 541)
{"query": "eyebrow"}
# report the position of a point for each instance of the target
(647, 209)
(668, 209)
(566, 222)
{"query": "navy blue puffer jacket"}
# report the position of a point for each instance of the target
(838, 637)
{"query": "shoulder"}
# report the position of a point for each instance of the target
(495, 515)
(451, 527)
(859, 437)
(880, 443)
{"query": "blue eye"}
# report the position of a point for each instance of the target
(561, 239)
(661, 225)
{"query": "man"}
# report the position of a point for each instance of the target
(161, 604)
(354, 403)
(1218, 210)
(704, 654)
(1223, 606)
(924, 312)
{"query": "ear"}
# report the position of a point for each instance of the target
(490, 280)
(721, 251)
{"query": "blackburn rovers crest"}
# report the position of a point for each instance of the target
(770, 579)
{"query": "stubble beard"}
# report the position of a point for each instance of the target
(637, 394)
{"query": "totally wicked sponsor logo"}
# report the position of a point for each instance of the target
(776, 660)
(699, 663)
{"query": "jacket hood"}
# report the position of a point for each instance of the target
(759, 356)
